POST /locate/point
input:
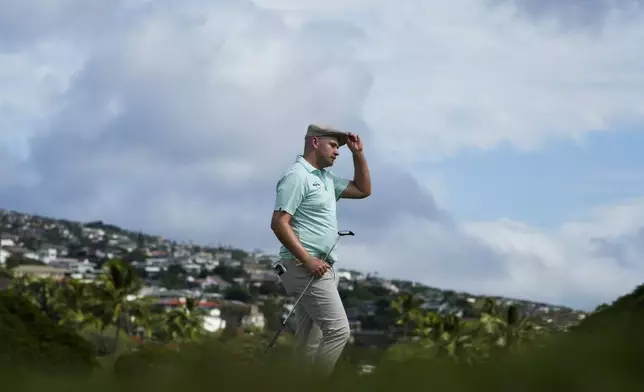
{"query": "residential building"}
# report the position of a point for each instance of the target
(254, 318)
(4, 255)
(40, 271)
(7, 242)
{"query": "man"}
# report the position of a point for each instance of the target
(304, 220)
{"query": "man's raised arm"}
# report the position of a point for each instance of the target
(360, 187)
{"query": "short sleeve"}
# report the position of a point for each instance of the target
(290, 192)
(339, 183)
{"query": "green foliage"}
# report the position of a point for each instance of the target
(496, 351)
(228, 273)
(407, 351)
(365, 292)
(111, 294)
(237, 293)
(16, 260)
(101, 307)
(185, 323)
(237, 364)
(30, 339)
(144, 359)
(238, 254)
(135, 255)
(173, 278)
(272, 309)
(498, 330)
(5, 273)
(625, 310)
(493, 347)
(74, 301)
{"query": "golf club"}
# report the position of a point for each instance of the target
(279, 267)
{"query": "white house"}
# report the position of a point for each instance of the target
(47, 255)
(4, 255)
(211, 265)
(94, 234)
(192, 268)
(152, 269)
(391, 287)
(344, 274)
(7, 242)
(64, 262)
(254, 319)
(26, 253)
(235, 263)
(212, 321)
(85, 268)
(31, 255)
(202, 258)
(223, 255)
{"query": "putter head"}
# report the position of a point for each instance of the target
(342, 233)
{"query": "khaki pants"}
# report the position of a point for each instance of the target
(322, 327)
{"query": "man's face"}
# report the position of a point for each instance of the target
(328, 149)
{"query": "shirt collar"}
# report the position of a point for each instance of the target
(300, 159)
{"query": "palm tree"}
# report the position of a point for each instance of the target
(186, 322)
(499, 329)
(75, 302)
(410, 314)
(504, 329)
(114, 287)
(24, 286)
(41, 292)
(144, 317)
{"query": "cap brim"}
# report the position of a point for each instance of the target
(343, 138)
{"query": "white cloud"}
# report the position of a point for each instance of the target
(464, 73)
(458, 74)
(179, 117)
(580, 263)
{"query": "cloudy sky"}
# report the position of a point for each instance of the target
(502, 135)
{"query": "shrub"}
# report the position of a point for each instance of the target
(31, 340)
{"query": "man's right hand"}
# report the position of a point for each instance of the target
(316, 266)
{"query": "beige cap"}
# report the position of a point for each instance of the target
(324, 130)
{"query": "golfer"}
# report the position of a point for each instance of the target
(304, 221)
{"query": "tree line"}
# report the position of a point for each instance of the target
(111, 301)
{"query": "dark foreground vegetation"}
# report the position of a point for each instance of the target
(44, 345)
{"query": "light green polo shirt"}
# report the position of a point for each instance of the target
(310, 195)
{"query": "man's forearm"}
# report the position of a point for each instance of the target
(285, 234)
(361, 175)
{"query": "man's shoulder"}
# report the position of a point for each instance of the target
(294, 170)
(295, 175)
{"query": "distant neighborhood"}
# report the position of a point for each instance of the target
(172, 271)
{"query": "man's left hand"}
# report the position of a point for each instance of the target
(354, 143)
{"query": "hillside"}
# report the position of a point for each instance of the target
(224, 272)
(626, 310)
